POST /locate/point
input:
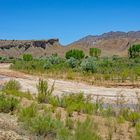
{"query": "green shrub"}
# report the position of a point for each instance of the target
(120, 119)
(64, 134)
(12, 85)
(69, 123)
(20, 94)
(54, 101)
(27, 57)
(72, 62)
(124, 112)
(85, 131)
(4, 59)
(109, 111)
(8, 103)
(133, 117)
(89, 64)
(44, 125)
(76, 102)
(54, 59)
(26, 114)
(44, 93)
(70, 109)
(47, 65)
(77, 54)
(88, 108)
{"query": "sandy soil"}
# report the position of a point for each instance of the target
(28, 82)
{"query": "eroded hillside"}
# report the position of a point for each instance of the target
(112, 43)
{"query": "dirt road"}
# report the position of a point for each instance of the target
(28, 82)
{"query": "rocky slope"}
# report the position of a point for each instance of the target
(111, 43)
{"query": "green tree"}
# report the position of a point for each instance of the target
(27, 57)
(77, 54)
(95, 52)
(134, 51)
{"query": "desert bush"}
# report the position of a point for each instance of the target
(44, 125)
(20, 94)
(124, 112)
(4, 60)
(120, 119)
(85, 131)
(47, 65)
(133, 117)
(72, 62)
(44, 93)
(72, 102)
(8, 103)
(76, 102)
(27, 57)
(88, 108)
(12, 85)
(26, 114)
(89, 65)
(64, 134)
(124, 75)
(54, 59)
(77, 54)
(108, 112)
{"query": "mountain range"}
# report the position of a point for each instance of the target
(111, 43)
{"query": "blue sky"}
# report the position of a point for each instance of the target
(68, 20)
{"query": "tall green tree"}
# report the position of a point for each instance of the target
(77, 54)
(95, 52)
(134, 51)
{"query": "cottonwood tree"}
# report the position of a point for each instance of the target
(77, 54)
(134, 51)
(95, 52)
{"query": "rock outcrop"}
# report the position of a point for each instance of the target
(15, 48)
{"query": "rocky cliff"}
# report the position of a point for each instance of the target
(15, 48)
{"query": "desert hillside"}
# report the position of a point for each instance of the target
(111, 43)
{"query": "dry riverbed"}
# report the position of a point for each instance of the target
(29, 82)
